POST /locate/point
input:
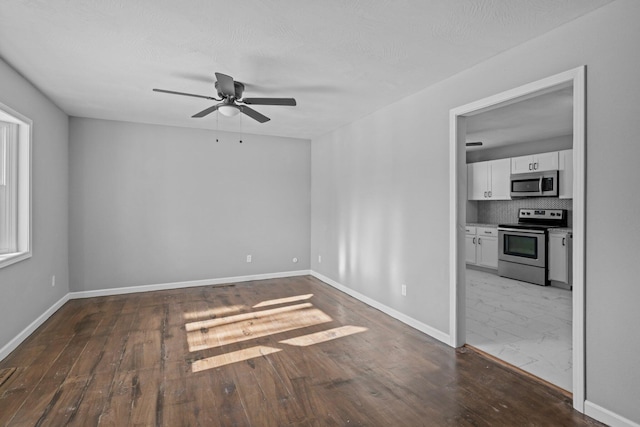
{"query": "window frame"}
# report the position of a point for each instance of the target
(18, 176)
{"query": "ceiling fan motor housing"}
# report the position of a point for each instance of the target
(239, 89)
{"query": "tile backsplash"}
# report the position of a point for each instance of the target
(506, 211)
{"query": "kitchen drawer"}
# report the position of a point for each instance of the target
(470, 230)
(486, 231)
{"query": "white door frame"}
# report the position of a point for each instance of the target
(458, 198)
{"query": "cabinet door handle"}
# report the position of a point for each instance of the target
(563, 241)
(485, 194)
(530, 166)
(490, 193)
(535, 166)
(479, 241)
(474, 240)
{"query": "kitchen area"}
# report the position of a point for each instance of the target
(518, 240)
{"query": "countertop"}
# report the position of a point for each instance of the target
(475, 224)
(561, 230)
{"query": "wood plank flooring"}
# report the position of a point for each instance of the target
(282, 352)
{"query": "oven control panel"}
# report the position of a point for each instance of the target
(554, 214)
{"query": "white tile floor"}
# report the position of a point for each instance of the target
(526, 325)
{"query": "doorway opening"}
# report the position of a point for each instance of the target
(573, 81)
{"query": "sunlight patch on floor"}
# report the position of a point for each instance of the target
(282, 300)
(217, 332)
(323, 336)
(214, 312)
(212, 323)
(256, 326)
(232, 357)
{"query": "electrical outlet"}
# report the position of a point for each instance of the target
(248, 258)
(53, 281)
(319, 259)
(404, 290)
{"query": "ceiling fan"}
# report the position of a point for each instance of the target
(231, 100)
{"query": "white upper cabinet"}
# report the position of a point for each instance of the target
(535, 163)
(500, 179)
(488, 180)
(477, 183)
(565, 176)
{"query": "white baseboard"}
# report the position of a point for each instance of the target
(187, 284)
(606, 416)
(18, 339)
(422, 327)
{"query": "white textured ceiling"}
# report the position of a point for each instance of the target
(340, 59)
(545, 116)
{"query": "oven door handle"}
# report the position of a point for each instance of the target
(520, 230)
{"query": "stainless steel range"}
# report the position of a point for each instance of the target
(522, 247)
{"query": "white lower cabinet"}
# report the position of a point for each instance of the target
(560, 253)
(487, 251)
(482, 246)
(470, 245)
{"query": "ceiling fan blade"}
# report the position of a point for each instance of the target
(205, 112)
(185, 94)
(253, 114)
(270, 101)
(225, 84)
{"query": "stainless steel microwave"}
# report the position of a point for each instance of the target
(536, 184)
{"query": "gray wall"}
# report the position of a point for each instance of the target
(157, 204)
(380, 192)
(26, 286)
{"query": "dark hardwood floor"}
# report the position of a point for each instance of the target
(282, 352)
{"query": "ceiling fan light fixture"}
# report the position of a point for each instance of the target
(229, 110)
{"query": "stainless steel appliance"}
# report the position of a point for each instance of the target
(535, 184)
(522, 247)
